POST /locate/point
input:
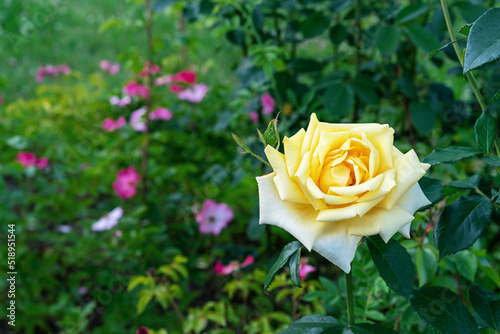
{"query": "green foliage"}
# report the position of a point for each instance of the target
(291, 254)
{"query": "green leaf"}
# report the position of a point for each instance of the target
(468, 183)
(465, 30)
(411, 12)
(314, 25)
(485, 130)
(287, 251)
(161, 5)
(338, 100)
(433, 53)
(423, 38)
(294, 268)
(443, 310)
(492, 160)
(258, 18)
(314, 321)
(466, 263)
(371, 329)
(489, 271)
(393, 263)
(422, 117)
(388, 39)
(144, 300)
(337, 34)
(366, 89)
(432, 189)
(427, 265)
(271, 136)
(486, 304)
(483, 43)
(461, 223)
(450, 155)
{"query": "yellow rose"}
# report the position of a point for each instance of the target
(339, 182)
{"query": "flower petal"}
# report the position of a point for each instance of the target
(413, 199)
(311, 129)
(293, 147)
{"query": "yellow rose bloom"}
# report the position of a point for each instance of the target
(339, 182)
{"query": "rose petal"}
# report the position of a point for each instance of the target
(293, 147)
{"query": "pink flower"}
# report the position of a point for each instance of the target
(107, 66)
(166, 79)
(142, 330)
(111, 125)
(126, 182)
(161, 113)
(305, 268)
(149, 68)
(221, 269)
(115, 68)
(188, 77)
(116, 101)
(254, 116)
(108, 221)
(137, 120)
(176, 88)
(214, 217)
(65, 69)
(267, 103)
(42, 163)
(1, 99)
(83, 290)
(26, 159)
(194, 94)
(50, 70)
(133, 88)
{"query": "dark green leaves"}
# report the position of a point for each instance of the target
(492, 160)
(483, 44)
(422, 116)
(423, 38)
(443, 310)
(294, 267)
(161, 5)
(450, 155)
(485, 131)
(338, 100)
(286, 254)
(432, 189)
(461, 223)
(388, 39)
(486, 304)
(314, 25)
(393, 263)
(468, 183)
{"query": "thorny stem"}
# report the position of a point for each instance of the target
(469, 75)
(350, 298)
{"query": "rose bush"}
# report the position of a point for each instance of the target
(339, 182)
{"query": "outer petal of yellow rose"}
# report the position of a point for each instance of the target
(299, 220)
(337, 246)
(408, 171)
(289, 190)
(413, 199)
(293, 155)
(311, 128)
(405, 230)
(276, 159)
(302, 175)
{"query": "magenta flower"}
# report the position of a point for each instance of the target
(188, 77)
(116, 101)
(305, 268)
(26, 159)
(161, 114)
(142, 330)
(267, 103)
(126, 182)
(108, 221)
(50, 70)
(133, 88)
(194, 94)
(149, 68)
(254, 116)
(221, 269)
(137, 120)
(214, 217)
(110, 124)
(42, 163)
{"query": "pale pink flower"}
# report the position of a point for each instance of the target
(50, 70)
(126, 182)
(254, 116)
(42, 163)
(161, 114)
(188, 77)
(149, 68)
(65, 69)
(110, 124)
(108, 221)
(164, 80)
(116, 101)
(26, 159)
(214, 217)
(221, 269)
(137, 120)
(133, 88)
(305, 268)
(115, 68)
(105, 65)
(267, 103)
(194, 94)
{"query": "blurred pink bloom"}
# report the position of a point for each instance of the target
(166, 79)
(83, 290)
(42, 163)
(116, 101)
(108, 221)
(50, 70)
(117, 234)
(149, 68)
(111, 125)
(142, 330)
(137, 120)
(194, 94)
(267, 103)
(305, 268)
(107, 66)
(26, 159)
(176, 88)
(161, 113)
(63, 69)
(188, 77)
(214, 217)
(126, 182)
(254, 116)
(115, 68)
(64, 229)
(133, 88)
(1, 99)
(221, 269)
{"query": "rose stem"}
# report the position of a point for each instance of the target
(350, 298)
(469, 75)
